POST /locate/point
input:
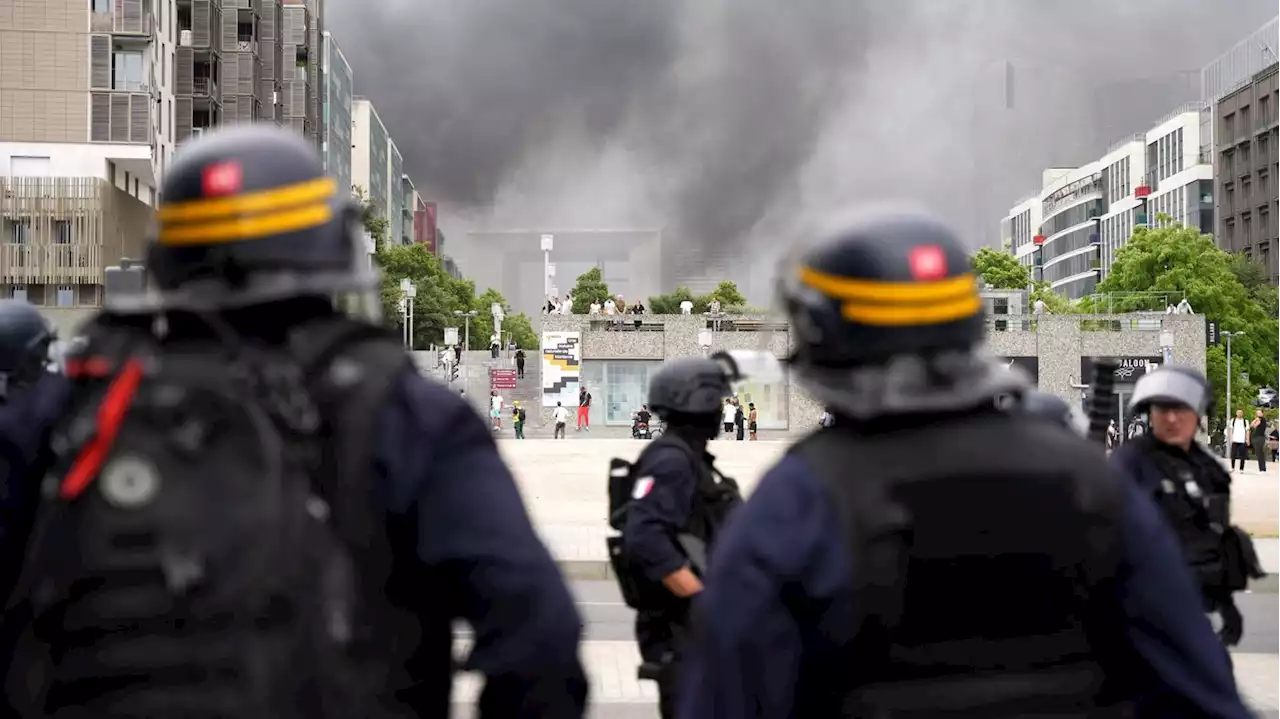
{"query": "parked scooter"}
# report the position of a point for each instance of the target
(640, 424)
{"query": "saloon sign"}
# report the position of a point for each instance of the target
(1128, 369)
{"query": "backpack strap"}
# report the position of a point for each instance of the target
(350, 369)
(875, 529)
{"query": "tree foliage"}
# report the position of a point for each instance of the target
(1053, 302)
(590, 287)
(731, 300)
(1000, 270)
(1174, 261)
(372, 217)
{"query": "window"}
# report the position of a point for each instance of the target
(127, 71)
(62, 232)
(100, 6)
(1264, 111)
(20, 232)
(18, 292)
(66, 295)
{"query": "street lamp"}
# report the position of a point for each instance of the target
(1226, 427)
(408, 292)
(467, 329)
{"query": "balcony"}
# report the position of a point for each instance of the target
(120, 117)
(204, 87)
(64, 230)
(127, 21)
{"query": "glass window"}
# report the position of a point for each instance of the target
(100, 6)
(19, 292)
(66, 295)
(128, 71)
(770, 399)
(618, 388)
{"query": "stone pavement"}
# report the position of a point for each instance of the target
(617, 694)
(563, 483)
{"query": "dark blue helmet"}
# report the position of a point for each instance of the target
(689, 386)
(893, 283)
(1043, 405)
(25, 337)
(247, 215)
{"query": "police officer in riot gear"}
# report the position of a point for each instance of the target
(254, 245)
(25, 338)
(1043, 405)
(1191, 487)
(678, 504)
(912, 560)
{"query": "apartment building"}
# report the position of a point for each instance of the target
(399, 215)
(336, 114)
(85, 132)
(298, 92)
(197, 68)
(1245, 154)
(1082, 216)
(370, 160)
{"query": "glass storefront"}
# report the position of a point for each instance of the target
(618, 388)
(771, 402)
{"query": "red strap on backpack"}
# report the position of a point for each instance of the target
(115, 403)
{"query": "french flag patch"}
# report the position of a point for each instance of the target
(643, 486)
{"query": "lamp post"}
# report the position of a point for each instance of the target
(1226, 438)
(466, 342)
(408, 292)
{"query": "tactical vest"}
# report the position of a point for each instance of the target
(984, 574)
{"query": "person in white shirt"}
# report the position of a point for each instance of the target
(1239, 431)
(495, 410)
(595, 308)
(609, 307)
(686, 308)
(494, 344)
(561, 417)
(728, 415)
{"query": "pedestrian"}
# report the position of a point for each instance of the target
(495, 410)
(1191, 488)
(727, 415)
(457, 354)
(519, 364)
(255, 510)
(739, 419)
(494, 345)
(1238, 433)
(584, 409)
(561, 418)
(1258, 438)
(517, 419)
(752, 420)
(1006, 570)
(678, 504)
(1113, 435)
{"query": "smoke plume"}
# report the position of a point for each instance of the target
(726, 122)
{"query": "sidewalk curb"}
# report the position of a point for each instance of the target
(585, 569)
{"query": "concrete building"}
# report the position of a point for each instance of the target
(511, 261)
(370, 159)
(298, 106)
(336, 113)
(1246, 124)
(197, 68)
(1057, 352)
(1083, 216)
(401, 222)
(86, 112)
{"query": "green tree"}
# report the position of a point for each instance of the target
(731, 299)
(590, 287)
(1253, 275)
(436, 299)
(521, 329)
(519, 326)
(1173, 260)
(372, 217)
(669, 304)
(1000, 269)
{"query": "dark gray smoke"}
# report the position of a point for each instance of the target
(724, 121)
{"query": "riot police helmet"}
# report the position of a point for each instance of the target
(886, 319)
(1174, 385)
(25, 337)
(1043, 405)
(247, 216)
(689, 386)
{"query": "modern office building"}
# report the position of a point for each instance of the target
(1245, 154)
(401, 224)
(86, 129)
(370, 160)
(336, 113)
(1083, 216)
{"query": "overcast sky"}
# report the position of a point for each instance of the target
(726, 121)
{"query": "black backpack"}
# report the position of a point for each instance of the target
(205, 527)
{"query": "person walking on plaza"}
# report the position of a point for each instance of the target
(1238, 434)
(519, 364)
(584, 409)
(495, 410)
(739, 420)
(1258, 437)
(752, 419)
(518, 417)
(561, 418)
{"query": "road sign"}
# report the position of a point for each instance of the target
(502, 379)
(1211, 333)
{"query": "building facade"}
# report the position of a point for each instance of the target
(1245, 126)
(370, 160)
(197, 68)
(336, 113)
(1083, 216)
(297, 91)
(396, 218)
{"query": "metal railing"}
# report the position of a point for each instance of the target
(204, 86)
(1236, 67)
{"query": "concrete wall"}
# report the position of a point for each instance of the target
(1058, 342)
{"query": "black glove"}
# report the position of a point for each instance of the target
(1232, 630)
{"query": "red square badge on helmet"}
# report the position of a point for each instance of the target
(223, 178)
(928, 262)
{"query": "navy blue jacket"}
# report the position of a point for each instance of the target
(484, 561)
(1131, 461)
(666, 481)
(748, 652)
